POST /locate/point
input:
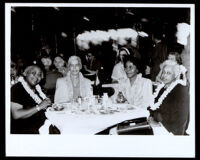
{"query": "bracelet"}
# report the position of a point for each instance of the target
(38, 108)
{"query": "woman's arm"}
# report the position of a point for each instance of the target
(115, 73)
(88, 70)
(147, 94)
(19, 113)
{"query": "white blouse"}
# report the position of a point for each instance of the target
(139, 94)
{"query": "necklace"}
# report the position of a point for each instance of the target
(165, 93)
(35, 97)
(75, 82)
(157, 90)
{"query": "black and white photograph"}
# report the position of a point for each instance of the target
(100, 80)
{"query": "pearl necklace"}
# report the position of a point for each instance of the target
(35, 97)
(165, 93)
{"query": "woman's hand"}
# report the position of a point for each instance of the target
(150, 111)
(45, 103)
(92, 72)
(157, 116)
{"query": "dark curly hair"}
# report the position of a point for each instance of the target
(133, 60)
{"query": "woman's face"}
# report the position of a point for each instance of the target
(74, 67)
(59, 62)
(167, 75)
(130, 69)
(46, 62)
(90, 56)
(34, 76)
(172, 57)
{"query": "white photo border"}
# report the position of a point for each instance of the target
(99, 146)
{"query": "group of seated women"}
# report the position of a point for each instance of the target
(169, 103)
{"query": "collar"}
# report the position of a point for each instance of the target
(67, 77)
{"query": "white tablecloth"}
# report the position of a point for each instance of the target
(89, 124)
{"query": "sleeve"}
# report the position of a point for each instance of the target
(60, 95)
(16, 93)
(181, 111)
(114, 96)
(147, 94)
(115, 73)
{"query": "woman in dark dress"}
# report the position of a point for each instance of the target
(171, 105)
(28, 102)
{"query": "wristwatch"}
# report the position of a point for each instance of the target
(38, 108)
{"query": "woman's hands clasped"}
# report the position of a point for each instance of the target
(45, 103)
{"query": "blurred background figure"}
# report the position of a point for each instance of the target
(118, 72)
(46, 48)
(50, 76)
(60, 64)
(13, 73)
(91, 65)
(159, 55)
(183, 38)
(20, 63)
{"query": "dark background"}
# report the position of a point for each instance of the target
(24, 39)
(32, 27)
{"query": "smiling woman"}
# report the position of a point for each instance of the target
(73, 85)
(171, 105)
(28, 102)
(136, 89)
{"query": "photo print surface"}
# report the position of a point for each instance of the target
(112, 74)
